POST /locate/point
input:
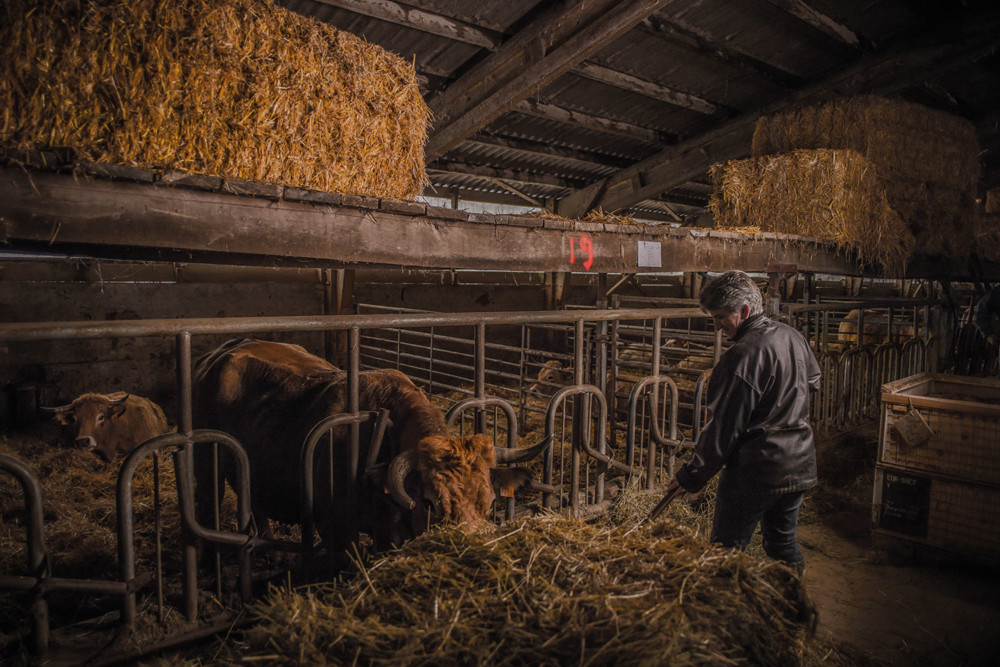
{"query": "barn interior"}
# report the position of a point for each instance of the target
(516, 205)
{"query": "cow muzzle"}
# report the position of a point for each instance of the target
(87, 443)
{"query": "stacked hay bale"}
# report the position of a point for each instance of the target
(241, 89)
(867, 172)
(546, 591)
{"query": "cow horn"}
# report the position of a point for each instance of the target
(119, 401)
(399, 468)
(54, 411)
(522, 454)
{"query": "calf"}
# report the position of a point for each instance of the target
(111, 424)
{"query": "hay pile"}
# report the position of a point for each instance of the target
(546, 591)
(78, 498)
(825, 193)
(925, 160)
(241, 89)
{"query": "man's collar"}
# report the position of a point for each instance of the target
(749, 323)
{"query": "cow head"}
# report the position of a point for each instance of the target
(454, 479)
(550, 377)
(91, 418)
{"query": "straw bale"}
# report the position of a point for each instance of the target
(926, 160)
(902, 140)
(545, 591)
(233, 88)
(830, 194)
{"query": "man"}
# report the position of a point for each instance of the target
(758, 432)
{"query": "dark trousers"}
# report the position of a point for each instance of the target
(737, 515)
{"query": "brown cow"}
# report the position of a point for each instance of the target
(876, 330)
(111, 424)
(270, 395)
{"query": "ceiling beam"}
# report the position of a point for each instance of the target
(539, 148)
(721, 43)
(553, 45)
(421, 20)
(649, 89)
(592, 122)
(511, 175)
(824, 23)
(510, 188)
(682, 200)
(721, 52)
(887, 74)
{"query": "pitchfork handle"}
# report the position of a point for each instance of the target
(662, 505)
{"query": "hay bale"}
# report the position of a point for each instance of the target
(233, 88)
(547, 590)
(831, 194)
(926, 160)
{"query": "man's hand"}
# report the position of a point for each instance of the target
(993, 340)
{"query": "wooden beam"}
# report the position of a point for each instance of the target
(824, 23)
(722, 51)
(505, 87)
(592, 122)
(507, 174)
(887, 74)
(535, 148)
(104, 218)
(649, 89)
(424, 21)
(510, 188)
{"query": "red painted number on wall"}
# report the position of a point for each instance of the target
(586, 251)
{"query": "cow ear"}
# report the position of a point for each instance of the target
(506, 481)
(65, 418)
(116, 411)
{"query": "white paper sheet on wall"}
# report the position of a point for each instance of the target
(649, 254)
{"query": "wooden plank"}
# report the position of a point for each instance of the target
(139, 221)
(591, 122)
(824, 23)
(421, 20)
(648, 88)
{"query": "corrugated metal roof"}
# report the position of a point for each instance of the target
(564, 112)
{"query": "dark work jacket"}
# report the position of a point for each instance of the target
(758, 406)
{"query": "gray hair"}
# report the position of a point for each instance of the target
(730, 292)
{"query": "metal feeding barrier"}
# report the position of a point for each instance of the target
(591, 444)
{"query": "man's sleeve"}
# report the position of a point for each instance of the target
(731, 400)
(815, 376)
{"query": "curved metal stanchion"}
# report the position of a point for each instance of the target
(307, 488)
(656, 437)
(244, 539)
(38, 569)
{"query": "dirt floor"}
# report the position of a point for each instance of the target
(902, 609)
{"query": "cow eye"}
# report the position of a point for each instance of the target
(100, 418)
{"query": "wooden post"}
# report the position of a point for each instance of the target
(344, 293)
